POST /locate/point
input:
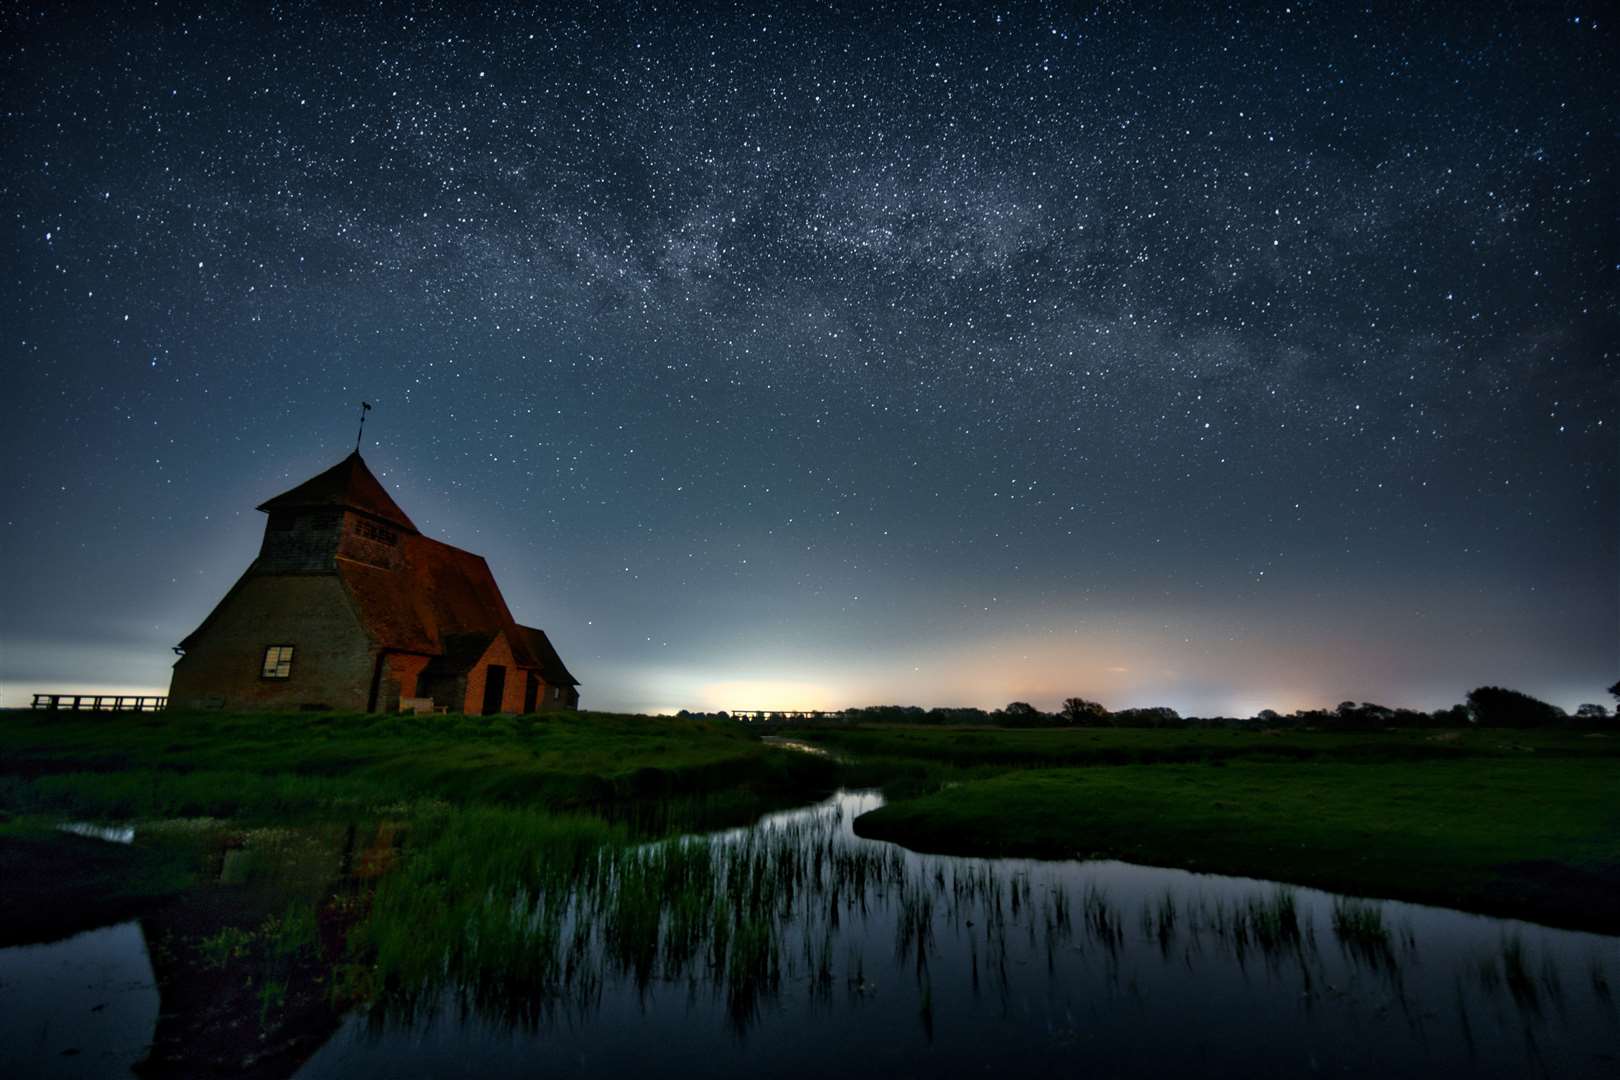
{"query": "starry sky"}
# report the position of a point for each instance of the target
(837, 354)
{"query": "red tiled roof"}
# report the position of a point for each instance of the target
(461, 652)
(551, 665)
(392, 615)
(440, 593)
(348, 484)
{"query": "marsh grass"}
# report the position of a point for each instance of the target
(971, 748)
(231, 943)
(524, 864)
(525, 915)
(296, 767)
(1339, 817)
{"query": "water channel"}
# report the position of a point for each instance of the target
(846, 953)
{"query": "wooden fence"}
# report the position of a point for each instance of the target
(766, 716)
(101, 702)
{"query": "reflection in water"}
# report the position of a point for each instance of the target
(113, 834)
(504, 941)
(795, 947)
(81, 1007)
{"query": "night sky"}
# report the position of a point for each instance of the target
(1263, 357)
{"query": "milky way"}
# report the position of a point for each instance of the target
(839, 354)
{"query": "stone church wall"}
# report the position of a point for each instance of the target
(332, 662)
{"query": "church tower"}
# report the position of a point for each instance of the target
(343, 512)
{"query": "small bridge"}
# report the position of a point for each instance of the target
(101, 702)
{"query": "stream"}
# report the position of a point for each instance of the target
(833, 953)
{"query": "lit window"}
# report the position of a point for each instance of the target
(556, 693)
(277, 662)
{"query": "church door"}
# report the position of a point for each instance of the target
(494, 688)
(531, 691)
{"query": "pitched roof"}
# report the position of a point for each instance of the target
(393, 616)
(440, 593)
(348, 484)
(551, 665)
(461, 652)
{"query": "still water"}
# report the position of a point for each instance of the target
(895, 963)
(794, 947)
(81, 1007)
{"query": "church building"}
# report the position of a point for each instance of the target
(349, 608)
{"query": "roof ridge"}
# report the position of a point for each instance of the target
(351, 485)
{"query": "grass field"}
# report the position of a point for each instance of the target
(978, 747)
(292, 765)
(238, 775)
(1509, 822)
(288, 867)
(1505, 822)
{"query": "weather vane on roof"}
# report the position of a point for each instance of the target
(365, 407)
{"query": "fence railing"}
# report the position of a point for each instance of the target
(101, 702)
(765, 716)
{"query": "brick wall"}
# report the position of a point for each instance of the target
(399, 678)
(499, 652)
(365, 540)
(548, 699)
(332, 658)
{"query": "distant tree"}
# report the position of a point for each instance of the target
(1615, 691)
(1021, 714)
(1592, 712)
(1312, 718)
(1157, 716)
(1409, 718)
(1361, 717)
(1496, 706)
(1456, 716)
(1080, 711)
(889, 714)
(958, 715)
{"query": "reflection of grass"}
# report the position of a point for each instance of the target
(1273, 919)
(501, 901)
(525, 911)
(1516, 973)
(1360, 924)
(1511, 967)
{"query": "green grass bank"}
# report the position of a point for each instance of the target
(293, 766)
(1513, 823)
